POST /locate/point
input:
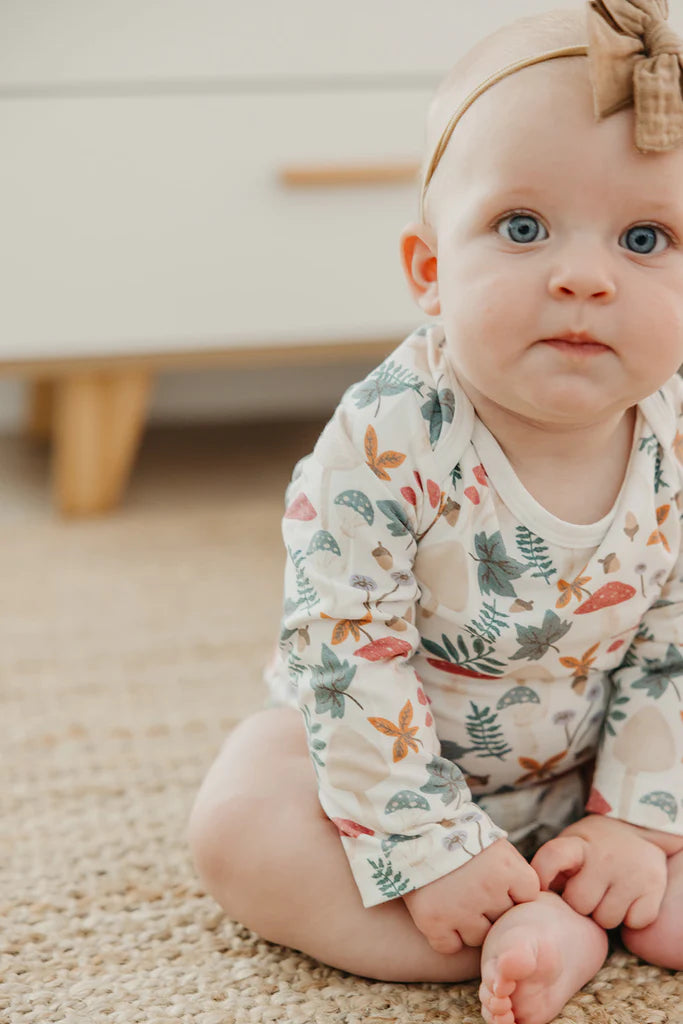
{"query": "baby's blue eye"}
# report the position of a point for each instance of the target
(521, 227)
(644, 239)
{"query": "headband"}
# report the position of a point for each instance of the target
(635, 58)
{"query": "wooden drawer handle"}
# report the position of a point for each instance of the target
(326, 175)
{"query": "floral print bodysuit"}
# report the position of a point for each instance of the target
(460, 655)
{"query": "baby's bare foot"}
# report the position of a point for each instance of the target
(535, 958)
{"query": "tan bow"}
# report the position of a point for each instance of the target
(637, 58)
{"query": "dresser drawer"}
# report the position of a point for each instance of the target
(79, 43)
(161, 223)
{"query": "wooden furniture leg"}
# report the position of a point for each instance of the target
(98, 422)
(40, 409)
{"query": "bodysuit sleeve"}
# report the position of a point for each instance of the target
(357, 508)
(639, 768)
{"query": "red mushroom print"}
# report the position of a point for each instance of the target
(351, 828)
(606, 596)
(597, 803)
(383, 648)
(301, 508)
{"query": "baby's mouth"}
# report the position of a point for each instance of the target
(576, 344)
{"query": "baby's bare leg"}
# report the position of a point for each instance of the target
(661, 943)
(535, 958)
(266, 852)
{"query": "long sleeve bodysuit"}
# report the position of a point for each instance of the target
(455, 648)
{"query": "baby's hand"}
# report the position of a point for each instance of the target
(458, 909)
(606, 870)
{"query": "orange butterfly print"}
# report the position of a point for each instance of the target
(574, 589)
(657, 537)
(379, 463)
(403, 732)
(580, 667)
(538, 771)
(678, 446)
(348, 627)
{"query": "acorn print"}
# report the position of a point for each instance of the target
(631, 525)
(451, 511)
(397, 623)
(383, 556)
(521, 606)
(610, 563)
(303, 638)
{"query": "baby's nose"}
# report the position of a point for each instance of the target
(583, 275)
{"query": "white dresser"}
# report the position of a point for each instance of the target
(189, 183)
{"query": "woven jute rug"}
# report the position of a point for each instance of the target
(129, 646)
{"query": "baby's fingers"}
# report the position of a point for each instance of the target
(526, 889)
(446, 942)
(559, 859)
(644, 910)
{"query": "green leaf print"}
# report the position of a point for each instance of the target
(389, 883)
(631, 657)
(329, 681)
(307, 595)
(496, 567)
(388, 379)
(399, 525)
(452, 751)
(485, 733)
(446, 780)
(535, 551)
(459, 661)
(393, 840)
(660, 674)
(535, 641)
(437, 410)
(314, 745)
(653, 447)
(490, 624)
(614, 712)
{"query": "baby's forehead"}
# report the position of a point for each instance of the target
(522, 39)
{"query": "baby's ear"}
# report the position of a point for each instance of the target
(418, 258)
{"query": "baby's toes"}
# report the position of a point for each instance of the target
(495, 1009)
(495, 1018)
(493, 979)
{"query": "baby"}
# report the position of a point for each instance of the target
(473, 762)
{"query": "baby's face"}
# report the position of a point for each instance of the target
(559, 252)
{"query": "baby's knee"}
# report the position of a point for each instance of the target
(221, 841)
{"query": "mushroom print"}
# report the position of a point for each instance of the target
(527, 711)
(645, 744)
(354, 765)
(334, 451)
(607, 595)
(445, 566)
(357, 511)
(323, 550)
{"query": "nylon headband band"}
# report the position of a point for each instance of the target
(497, 76)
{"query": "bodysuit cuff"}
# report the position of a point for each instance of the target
(398, 864)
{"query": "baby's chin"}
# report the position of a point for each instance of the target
(567, 405)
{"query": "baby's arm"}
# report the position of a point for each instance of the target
(357, 510)
(607, 869)
(612, 863)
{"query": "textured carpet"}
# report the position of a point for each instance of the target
(129, 646)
